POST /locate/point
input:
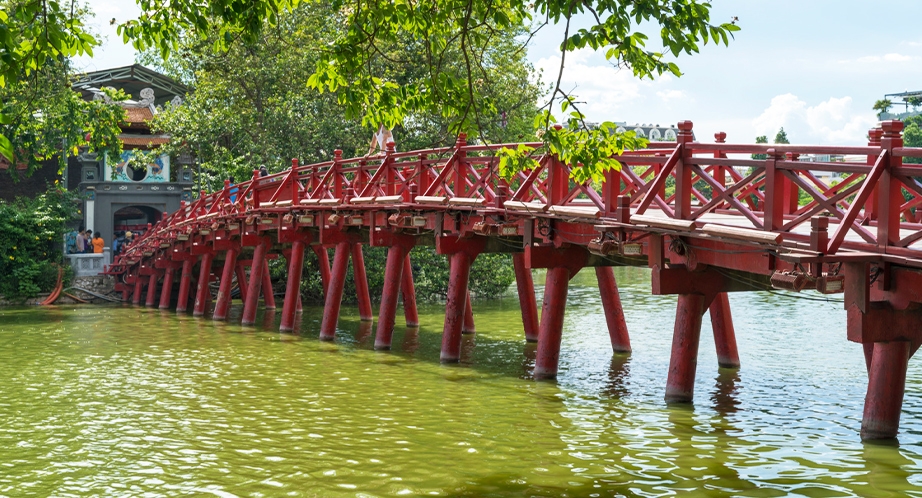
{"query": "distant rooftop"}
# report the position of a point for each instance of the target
(131, 79)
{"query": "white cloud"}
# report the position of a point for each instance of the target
(832, 121)
(893, 57)
(668, 95)
(605, 91)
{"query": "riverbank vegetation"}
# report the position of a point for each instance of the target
(31, 242)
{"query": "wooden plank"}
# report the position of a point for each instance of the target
(669, 223)
(429, 199)
(576, 211)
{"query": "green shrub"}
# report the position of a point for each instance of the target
(491, 275)
(31, 233)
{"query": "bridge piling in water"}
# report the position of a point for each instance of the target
(334, 294)
(455, 303)
(152, 289)
(408, 294)
(550, 329)
(724, 335)
(203, 293)
(393, 277)
(222, 304)
(167, 289)
(525, 286)
(292, 301)
(254, 286)
(185, 283)
(614, 313)
(683, 362)
(366, 314)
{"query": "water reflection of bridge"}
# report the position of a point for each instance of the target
(684, 208)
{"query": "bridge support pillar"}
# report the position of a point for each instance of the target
(136, 293)
(724, 336)
(408, 293)
(468, 327)
(886, 384)
(292, 301)
(361, 283)
(323, 259)
(166, 290)
(393, 277)
(268, 290)
(152, 290)
(886, 318)
(185, 283)
(459, 273)
(562, 264)
(614, 313)
(333, 297)
(526, 290)
(550, 331)
(241, 273)
(680, 383)
(254, 286)
(203, 293)
(222, 305)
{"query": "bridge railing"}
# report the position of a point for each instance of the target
(873, 205)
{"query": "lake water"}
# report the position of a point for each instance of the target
(123, 401)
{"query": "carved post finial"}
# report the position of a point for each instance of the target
(720, 137)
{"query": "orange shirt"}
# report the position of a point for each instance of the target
(98, 244)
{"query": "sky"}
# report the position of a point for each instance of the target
(814, 67)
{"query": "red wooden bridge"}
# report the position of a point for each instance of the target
(705, 217)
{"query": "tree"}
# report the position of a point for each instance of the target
(347, 66)
(41, 115)
(251, 105)
(763, 139)
(912, 136)
(781, 137)
(882, 106)
(915, 101)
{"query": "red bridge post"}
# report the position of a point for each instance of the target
(468, 327)
(680, 383)
(136, 293)
(167, 290)
(268, 290)
(185, 282)
(886, 386)
(562, 264)
(241, 273)
(292, 286)
(459, 274)
(525, 286)
(203, 294)
(323, 261)
(334, 294)
(724, 335)
(461, 253)
(408, 294)
(152, 289)
(361, 283)
(222, 305)
(398, 248)
(614, 313)
(550, 330)
(254, 286)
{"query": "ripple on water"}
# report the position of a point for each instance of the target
(172, 405)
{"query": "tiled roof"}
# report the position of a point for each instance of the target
(143, 141)
(139, 114)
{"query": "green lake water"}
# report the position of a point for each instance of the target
(125, 401)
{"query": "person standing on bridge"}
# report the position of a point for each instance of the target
(380, 139)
